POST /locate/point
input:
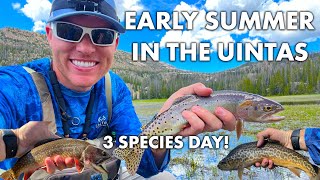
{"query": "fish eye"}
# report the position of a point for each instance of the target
(104, 153)
(267, 108)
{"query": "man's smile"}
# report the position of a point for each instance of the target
(83, 64)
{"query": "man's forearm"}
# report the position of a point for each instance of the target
(302, 141)
(2, 148)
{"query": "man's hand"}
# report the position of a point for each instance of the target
(200, 119)
(284, 138)
(35, 131)
(57, 162)
(30, 134)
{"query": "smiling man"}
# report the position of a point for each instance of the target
(69, 91)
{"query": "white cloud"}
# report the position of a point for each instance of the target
(127, 5)
(184, 7)
(254, 42)
(296, 35)
(16, 5)
(37, 10)
(224, 39)
(39, 26)
(199, 33)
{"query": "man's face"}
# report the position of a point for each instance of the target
(79, 66)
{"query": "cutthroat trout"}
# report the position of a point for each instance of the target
(88, 155)
(245, 155)
(244, 106)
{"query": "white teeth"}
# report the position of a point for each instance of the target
(83, 63)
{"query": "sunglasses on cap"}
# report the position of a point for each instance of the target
(74, 33)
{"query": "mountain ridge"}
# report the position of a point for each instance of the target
(159, 80)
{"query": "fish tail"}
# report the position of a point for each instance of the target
(132, 157)
(239, 128)
(317, 170)
(8, 175)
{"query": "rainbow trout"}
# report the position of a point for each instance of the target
(245, 155)
(244, 106)
(86, 153)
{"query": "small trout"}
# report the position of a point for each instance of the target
(244, 106)
(87, 154)
(246, 155)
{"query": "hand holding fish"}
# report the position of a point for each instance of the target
(284, 138)
(33, 132)
(30, 134)
(57, 162)
(65, 152)
(200, 119)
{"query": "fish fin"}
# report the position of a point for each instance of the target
(316, 170)
(81, 168)
(246, 103)
(121, 153)
(239, 127)
(8, 175)
(295, 171)
(79, 165)
(240, 173)
(132, 158)
(99, 168)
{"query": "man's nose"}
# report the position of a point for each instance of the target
(85, 46)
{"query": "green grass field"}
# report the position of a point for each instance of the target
(298, 99)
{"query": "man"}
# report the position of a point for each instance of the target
(83, 37)
(299, 139)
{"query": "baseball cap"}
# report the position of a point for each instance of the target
(104, 9)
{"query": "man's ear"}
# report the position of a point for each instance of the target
(116, 43)
(49, 33)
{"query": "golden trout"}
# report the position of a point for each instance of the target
(87, 154)
(244, 106)
(246, 155)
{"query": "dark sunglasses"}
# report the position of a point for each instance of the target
(74, 33)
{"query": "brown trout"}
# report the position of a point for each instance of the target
(244, 106)
(246, 155)
(88, 155)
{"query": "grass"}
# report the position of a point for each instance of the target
(297, 99)
(297, 116)
(191, 165)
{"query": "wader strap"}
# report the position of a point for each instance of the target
(45, 97)
(48, 115)
(108, 90)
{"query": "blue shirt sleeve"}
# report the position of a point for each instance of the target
(312, 139)
(125, 122)
(16, 99)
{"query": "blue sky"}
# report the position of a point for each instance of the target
(31, 15)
